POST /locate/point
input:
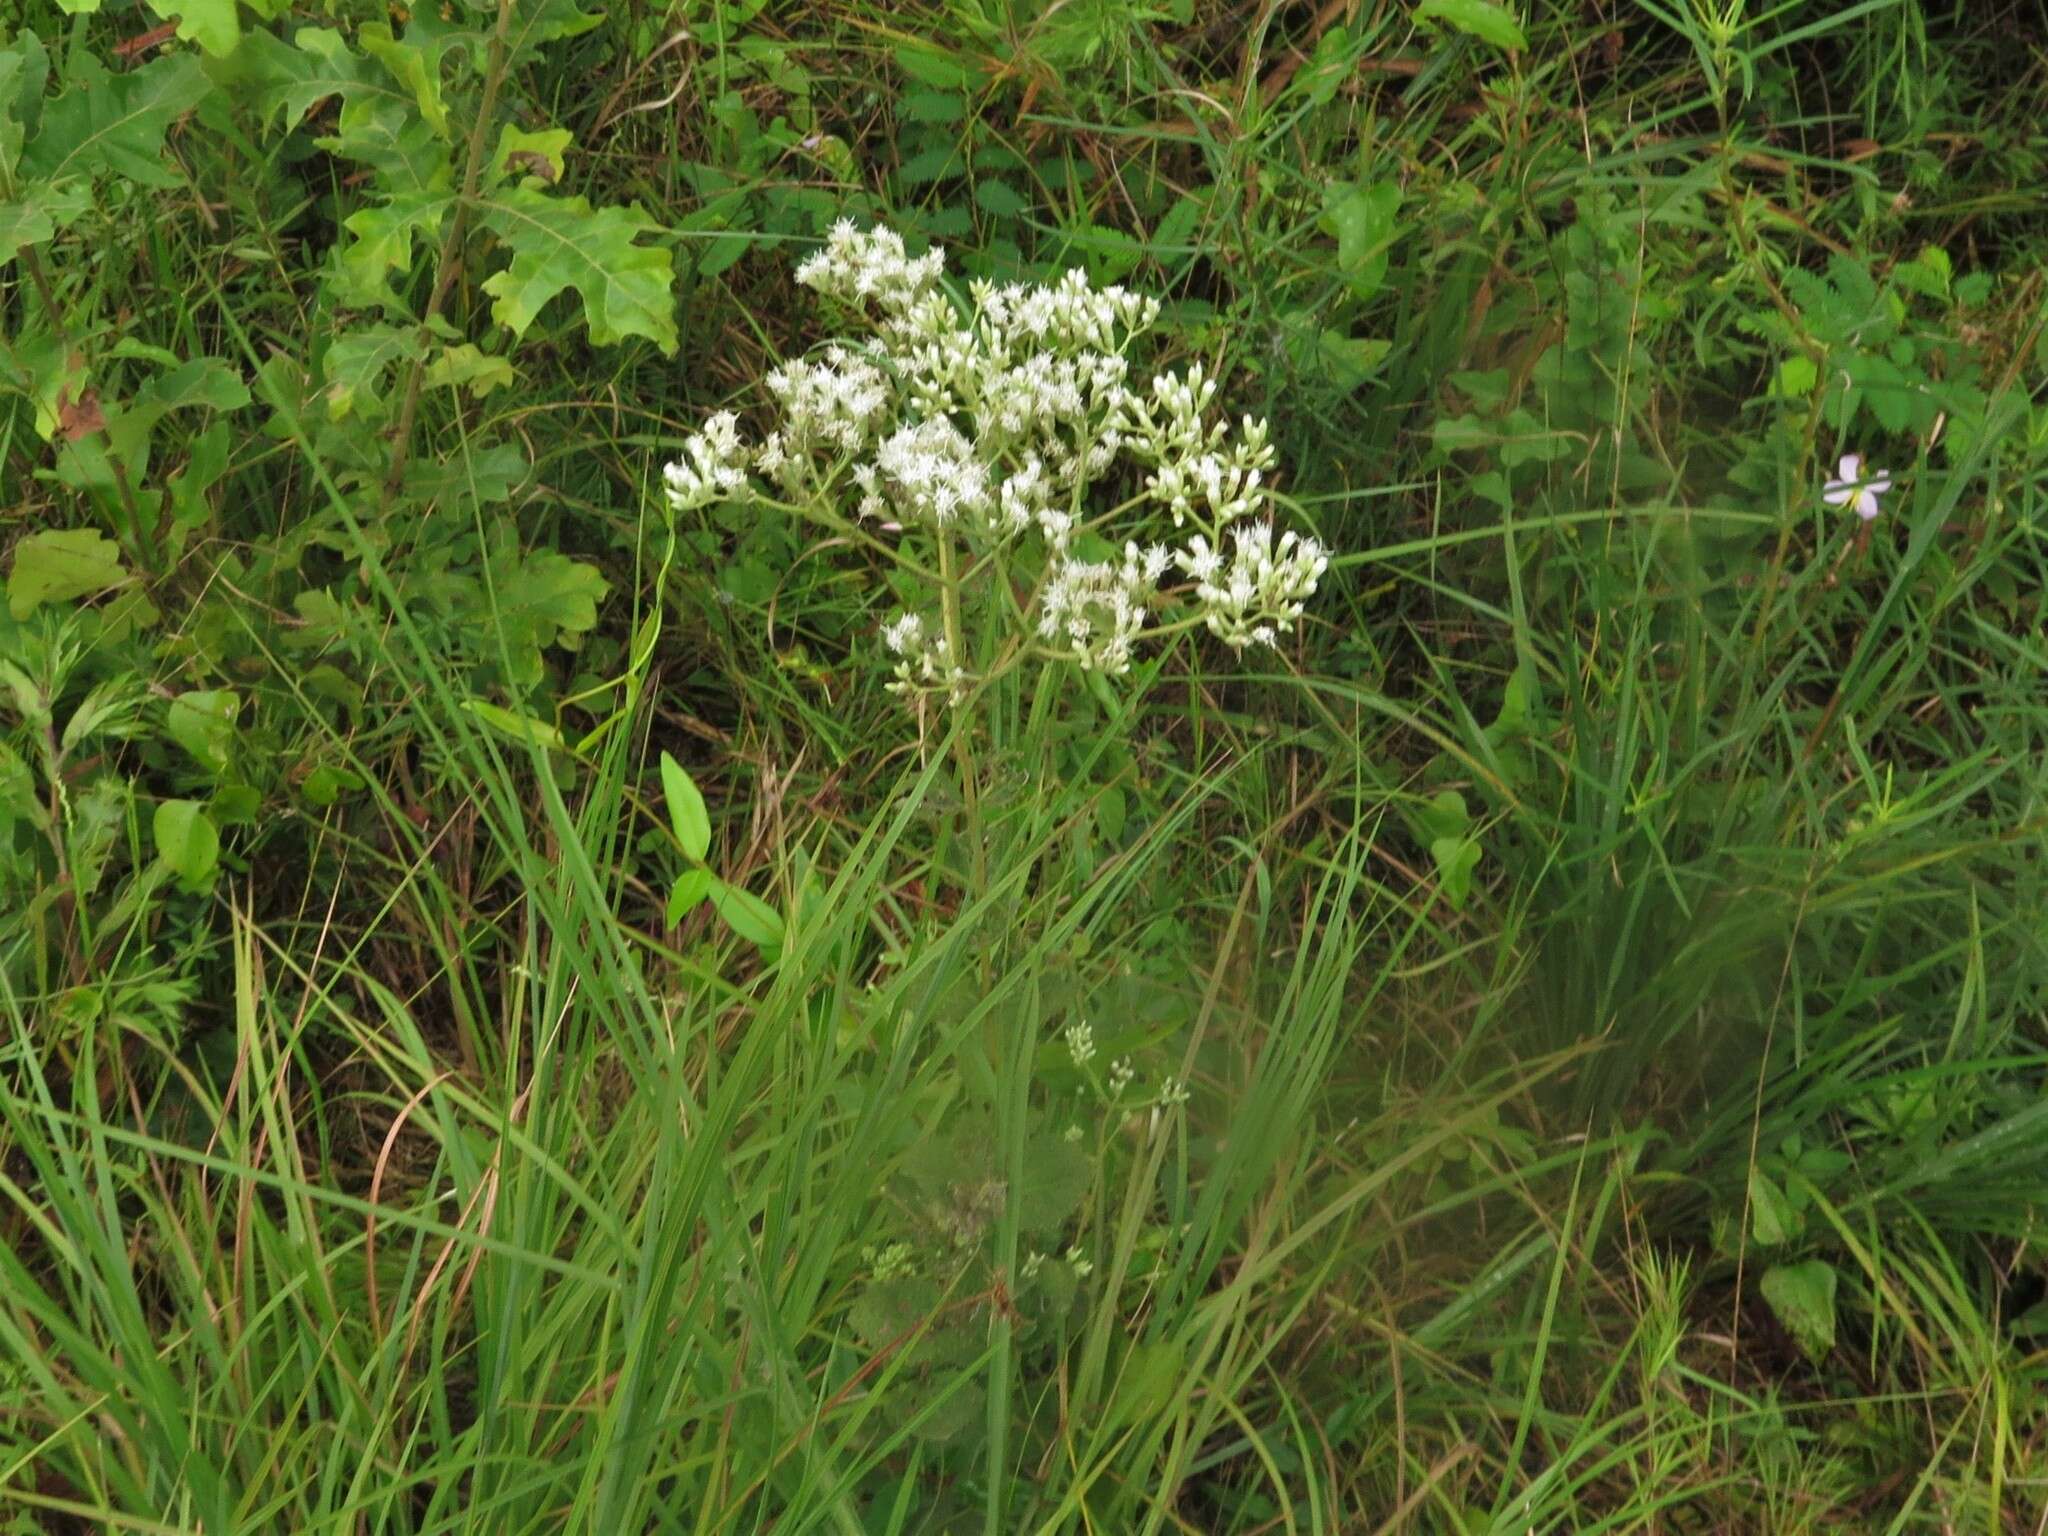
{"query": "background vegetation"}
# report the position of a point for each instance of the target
(1602, 955)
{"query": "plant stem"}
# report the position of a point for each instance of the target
(449, 261)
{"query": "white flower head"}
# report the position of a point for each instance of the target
(713, 466)
(1857, 487)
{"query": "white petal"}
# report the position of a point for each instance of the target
(1851, 467)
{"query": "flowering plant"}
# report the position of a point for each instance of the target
(981, 436)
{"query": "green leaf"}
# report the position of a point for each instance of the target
(465, 367)
(203, 723)
(42, 211)
(116, 124)
(295, 77)
(1483, 19)
(514, 726)
(686, 812)
(356, 363)
(1803, 1297)
(57, 565)
(542, 154)
(537, 22)
(996, 196)
(1796, 377)
(209, 23)
(415, 67)
(1362, 219)
(691, 887)
(1456, 858)
(186, 841)
(929, 66)
(1771, 1218)
(542, 599)
(559, 243)
(747, 915)
(396, 142)
(383, 240)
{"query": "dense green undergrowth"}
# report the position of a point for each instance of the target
(515, 1020)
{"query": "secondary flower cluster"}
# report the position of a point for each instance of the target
(988, 427)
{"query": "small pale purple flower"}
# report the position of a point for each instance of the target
(1857, 488)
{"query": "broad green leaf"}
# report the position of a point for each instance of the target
(57, 565)
(416, 68)
(383, 241)
(1456, 858)
(1483, 19)
(686, 812)
(543, 154)
(747, 915)
(1803, 1297)
(202, 383)
(202, 721)
(929, 66)
(1362, 219)
(295, 77)
(996, 196)
(186, 841)
(1445, 816)
(396, 142)
(356, 363)
(24, 71)
(116, 124)
(538, 22)
(1771, 1218)
(691, 887)
(209, 23)
(545, 596)
(559, 243)
(42, 210)
(465, 367)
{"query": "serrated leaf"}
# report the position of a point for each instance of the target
(543, 154)
(116, 124)
(537, 22)
(57, 565)
(929, 66)
(42, 210)
(394, 141)
(996, 196)
(295, 77)
(686, 811)
(186, 841)
(747, 915)
(465, 367)
(209, 23)
(1803, 1298)
(531, 602)
(356, 363)
(383, 241)
(484, 476)
(1483, 19)
(559, 243)
(416, 68)
(202, 721)
(24, 71)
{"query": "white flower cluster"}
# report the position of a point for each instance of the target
(1260, 592)
(924, 662)
(991, 421)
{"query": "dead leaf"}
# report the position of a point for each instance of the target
(81, 417)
